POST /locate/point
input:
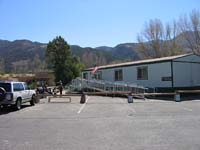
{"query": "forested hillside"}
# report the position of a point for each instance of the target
(24, 56)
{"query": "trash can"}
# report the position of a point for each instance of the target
(177, 97)
(130, 98)
(83, 98)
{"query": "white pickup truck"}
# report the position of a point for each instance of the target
(16, 93)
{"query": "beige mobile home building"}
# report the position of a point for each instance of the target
(181, 71)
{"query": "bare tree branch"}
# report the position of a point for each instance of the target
(190, 28)
(157, 41)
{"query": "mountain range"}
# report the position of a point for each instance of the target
(23, 52)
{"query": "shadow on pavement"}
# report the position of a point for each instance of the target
(9, 109)
(184, 97)
(190, 97)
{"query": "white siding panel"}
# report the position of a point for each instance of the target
(108, 75)
(130, 74)
(191, 58)
(155, 74)
(186, 74)
(182, 74)
(196, 74)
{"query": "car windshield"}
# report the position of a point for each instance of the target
(6, 86)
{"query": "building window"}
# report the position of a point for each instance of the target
(118, 75)
(85, 75)
(98, 75)
(142, 73)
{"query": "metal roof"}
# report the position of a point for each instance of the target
(146, 61)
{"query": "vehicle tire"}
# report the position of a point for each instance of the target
(33, 100)
(18, 104)
(2, 93)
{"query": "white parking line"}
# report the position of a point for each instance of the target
(82, 107)
(187, 109)
(184, 108)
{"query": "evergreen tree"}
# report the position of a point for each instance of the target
(59, 59)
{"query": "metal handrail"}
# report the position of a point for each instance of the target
(102, 85)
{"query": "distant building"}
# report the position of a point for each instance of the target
(41, 78)
(181, 71)
(45, 77)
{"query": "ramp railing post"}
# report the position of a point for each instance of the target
(130, 98)
(177, 97)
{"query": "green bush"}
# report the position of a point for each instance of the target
(33, 85)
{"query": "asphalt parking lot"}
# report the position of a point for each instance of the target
(103, 123)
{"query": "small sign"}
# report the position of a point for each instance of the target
(166, 78)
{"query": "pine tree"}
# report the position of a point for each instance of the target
(59, 59)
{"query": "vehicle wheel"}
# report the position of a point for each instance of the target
(33, 100)
(18, 104)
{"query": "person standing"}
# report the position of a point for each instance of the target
(60, 87)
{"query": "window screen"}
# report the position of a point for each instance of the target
(118, 75)
(142, 73)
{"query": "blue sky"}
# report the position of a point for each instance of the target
(86, 22)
